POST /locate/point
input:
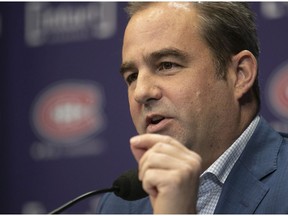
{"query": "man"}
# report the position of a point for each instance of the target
(191, 71)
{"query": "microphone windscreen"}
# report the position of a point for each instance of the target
(129, 187)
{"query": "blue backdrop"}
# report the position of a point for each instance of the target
(65, 122)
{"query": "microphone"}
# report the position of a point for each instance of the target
(127, 186)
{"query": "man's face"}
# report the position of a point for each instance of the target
(172, 86)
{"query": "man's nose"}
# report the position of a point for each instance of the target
(147, 88)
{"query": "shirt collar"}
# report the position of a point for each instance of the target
(223, 165)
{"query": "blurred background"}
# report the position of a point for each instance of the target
(64, 117)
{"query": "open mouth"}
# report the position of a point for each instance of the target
(157, 123)
(155, 120)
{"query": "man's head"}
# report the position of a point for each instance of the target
(227, 28)
(179, 84)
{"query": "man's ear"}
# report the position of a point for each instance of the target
(245, 66)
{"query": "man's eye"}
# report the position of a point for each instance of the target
(166, 65)
(131, 78)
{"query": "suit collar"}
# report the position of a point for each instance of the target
(243, 189)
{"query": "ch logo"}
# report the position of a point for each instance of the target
(69, 112)
(278, 93)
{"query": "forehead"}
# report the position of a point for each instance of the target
(162, 24)
(163, 12)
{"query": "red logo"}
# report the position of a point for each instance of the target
(278, 92)
(69, 112)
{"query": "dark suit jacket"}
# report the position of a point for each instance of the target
(258, 182)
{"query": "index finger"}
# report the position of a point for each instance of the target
(141, 143)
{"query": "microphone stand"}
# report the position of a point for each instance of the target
(127, 186)
(79, 198)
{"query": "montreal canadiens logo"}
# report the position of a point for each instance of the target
(69, 112)
(278, 92)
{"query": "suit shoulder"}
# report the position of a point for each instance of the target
(111, 204)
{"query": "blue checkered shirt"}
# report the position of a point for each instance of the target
(212, 180)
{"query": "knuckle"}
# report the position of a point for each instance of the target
(159, 146)
(168, 139)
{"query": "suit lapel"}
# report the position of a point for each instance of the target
(244, 190)
(243, 195)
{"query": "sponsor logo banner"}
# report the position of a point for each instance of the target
(50, 23)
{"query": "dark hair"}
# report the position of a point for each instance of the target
(227, 28)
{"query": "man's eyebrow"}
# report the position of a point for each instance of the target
(127, 66)
(154, 56)
(172, 52)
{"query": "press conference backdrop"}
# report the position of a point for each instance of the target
(65, 124)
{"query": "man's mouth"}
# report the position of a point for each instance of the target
(155, 123)
(155, 120)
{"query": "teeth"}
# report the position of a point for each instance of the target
(156, 119)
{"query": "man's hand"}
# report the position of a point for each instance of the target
(169, 172)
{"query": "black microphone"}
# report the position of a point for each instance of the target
(127, 186)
